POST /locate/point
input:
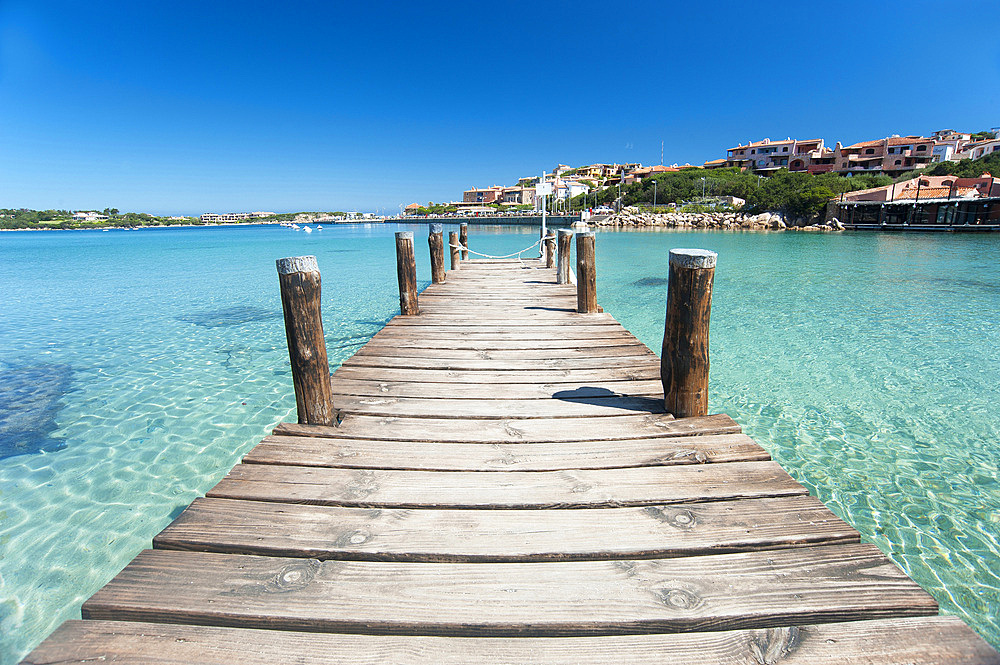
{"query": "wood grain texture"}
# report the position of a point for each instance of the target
(586, 274)
(566, 405)
(908, 641)
(515, 430)
(406, 275)
(343, 385)
(459, 378)
(301, 306)
(685, 361)
(481, 364)
(435, 242)
(463, 239)
(564, 241)
(322, 532)
(718, 592)
(455, 250)
(582, 488)
(429, 456)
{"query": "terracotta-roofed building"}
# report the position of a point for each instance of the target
(931, 187)
(767, 155)
(979, 149)
(715, 164)
(893, 154)
(412, 209)
(490, 195)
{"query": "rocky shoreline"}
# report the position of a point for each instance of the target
(633, 217)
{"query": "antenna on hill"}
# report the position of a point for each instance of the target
(661, 153)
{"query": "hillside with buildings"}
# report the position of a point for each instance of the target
(575, 188)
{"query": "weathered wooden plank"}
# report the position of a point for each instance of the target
(564, 405)
(938, 640)
(543, 335)
(718, 592)
(383, 349)
(432, 390)
(578, 488)
(486, 364)
(323, 532)
(428, 456)
(494, 322)
(491, 377)
(599, 428)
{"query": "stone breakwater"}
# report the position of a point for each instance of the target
(631, 217)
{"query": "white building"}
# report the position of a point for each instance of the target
(89, 216)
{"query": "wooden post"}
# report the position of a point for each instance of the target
(562, 271)
(435, 239)
(684, 361)
(298, 277)
(456, 253)
(550, 249)
(463, 239)
(586, 274)
(406, 272)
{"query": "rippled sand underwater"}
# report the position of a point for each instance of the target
(146, 363)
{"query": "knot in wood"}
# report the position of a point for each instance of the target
(680, 599)
(293, 577)
(769, 647)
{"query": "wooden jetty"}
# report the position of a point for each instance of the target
(499, 483)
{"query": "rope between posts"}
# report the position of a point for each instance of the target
(490, 256)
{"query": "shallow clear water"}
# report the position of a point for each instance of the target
(137, 366)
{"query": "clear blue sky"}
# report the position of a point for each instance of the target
(188, 107)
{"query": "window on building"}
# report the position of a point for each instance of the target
(898, 162)
(921, 148)
(785, 149)
(870, 151)
(753, 152)
(892, 151)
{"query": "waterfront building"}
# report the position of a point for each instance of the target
(930, 187)
(489, 195)
(89, 216)
(412, 209)
(893, 154)
(924, 202)
(213, 217)
(514, 196)
(768, 156)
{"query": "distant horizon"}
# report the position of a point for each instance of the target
(229, 108)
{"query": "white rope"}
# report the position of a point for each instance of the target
(490, 256)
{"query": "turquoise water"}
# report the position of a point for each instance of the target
(136, 367)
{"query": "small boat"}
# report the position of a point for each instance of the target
(319, 227)
(307, 229)
(295, 226)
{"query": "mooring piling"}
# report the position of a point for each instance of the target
(456, 252)
(406, 273)
(299, 281)
(550, 249)
(684, 361)
(586, 274)
(435, 239)
(563, 267)
(463, 239)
